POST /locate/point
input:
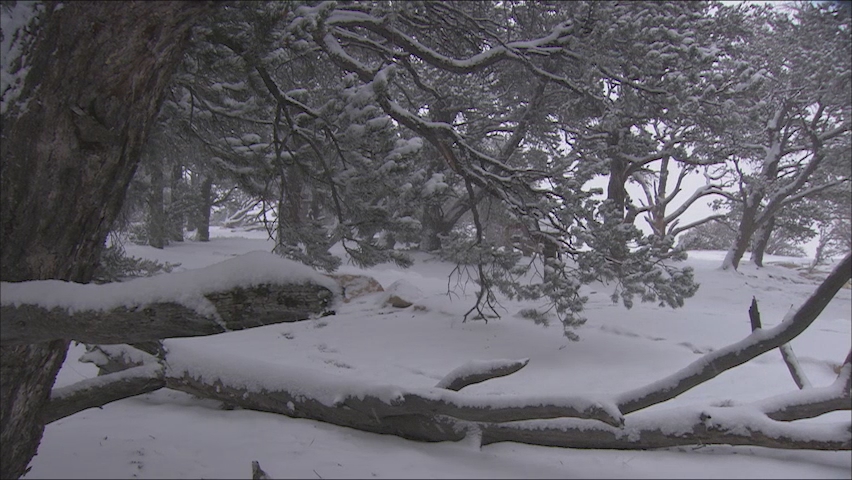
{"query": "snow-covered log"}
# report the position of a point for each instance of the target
(252, 290)
(440, 414)
(673, 427)
(480, 371)
(99, 391)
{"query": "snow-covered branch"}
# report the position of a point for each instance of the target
(673, 427)
(99, 391)
(346, 18)
(759, 342)
(478, 371)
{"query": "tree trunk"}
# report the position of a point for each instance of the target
(202, 225)
(69, 149)
(615, 190)
(761, 241)
(176, 213)
(156, 224)
(431, 222)
(745, 232)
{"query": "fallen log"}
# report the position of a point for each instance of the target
(99, 391)
(248, 291)
(439, 414)
(717, 426)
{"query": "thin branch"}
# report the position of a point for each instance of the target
(99, 391)
(786, 350)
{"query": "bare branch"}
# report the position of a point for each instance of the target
(98, 391)
(793, 365)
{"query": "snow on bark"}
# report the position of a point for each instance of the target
(190, 359)
(183, 288)
(477, 371)
(672, 427)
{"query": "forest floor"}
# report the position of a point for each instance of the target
(169, 434)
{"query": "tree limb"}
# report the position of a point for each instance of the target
(722, 425)
(787, 354)
(759, 342)
(237, 309)
(476, 372)
(98, 391)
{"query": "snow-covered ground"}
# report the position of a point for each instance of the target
(169, 434)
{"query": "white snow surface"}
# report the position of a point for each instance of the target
(370, 347)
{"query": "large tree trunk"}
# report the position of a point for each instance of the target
(69, 149)
(761, 241)
(745, 232)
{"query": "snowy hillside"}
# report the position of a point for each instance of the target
(169, 434)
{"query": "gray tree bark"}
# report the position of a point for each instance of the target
(203, 216)
(67, 158)
(761, 241)
(237, 309)
(156, 220)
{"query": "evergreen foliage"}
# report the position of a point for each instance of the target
(472, 129)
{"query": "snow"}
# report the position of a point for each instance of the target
(370, 347)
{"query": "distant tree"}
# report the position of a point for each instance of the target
(786, 117)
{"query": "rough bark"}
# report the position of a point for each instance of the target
(156, 219)
(99, 391)
(237, 309)
(175, 211)
(67, 158)
(745, 230)
(431, 219)
(202, 225)
(761, 241)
